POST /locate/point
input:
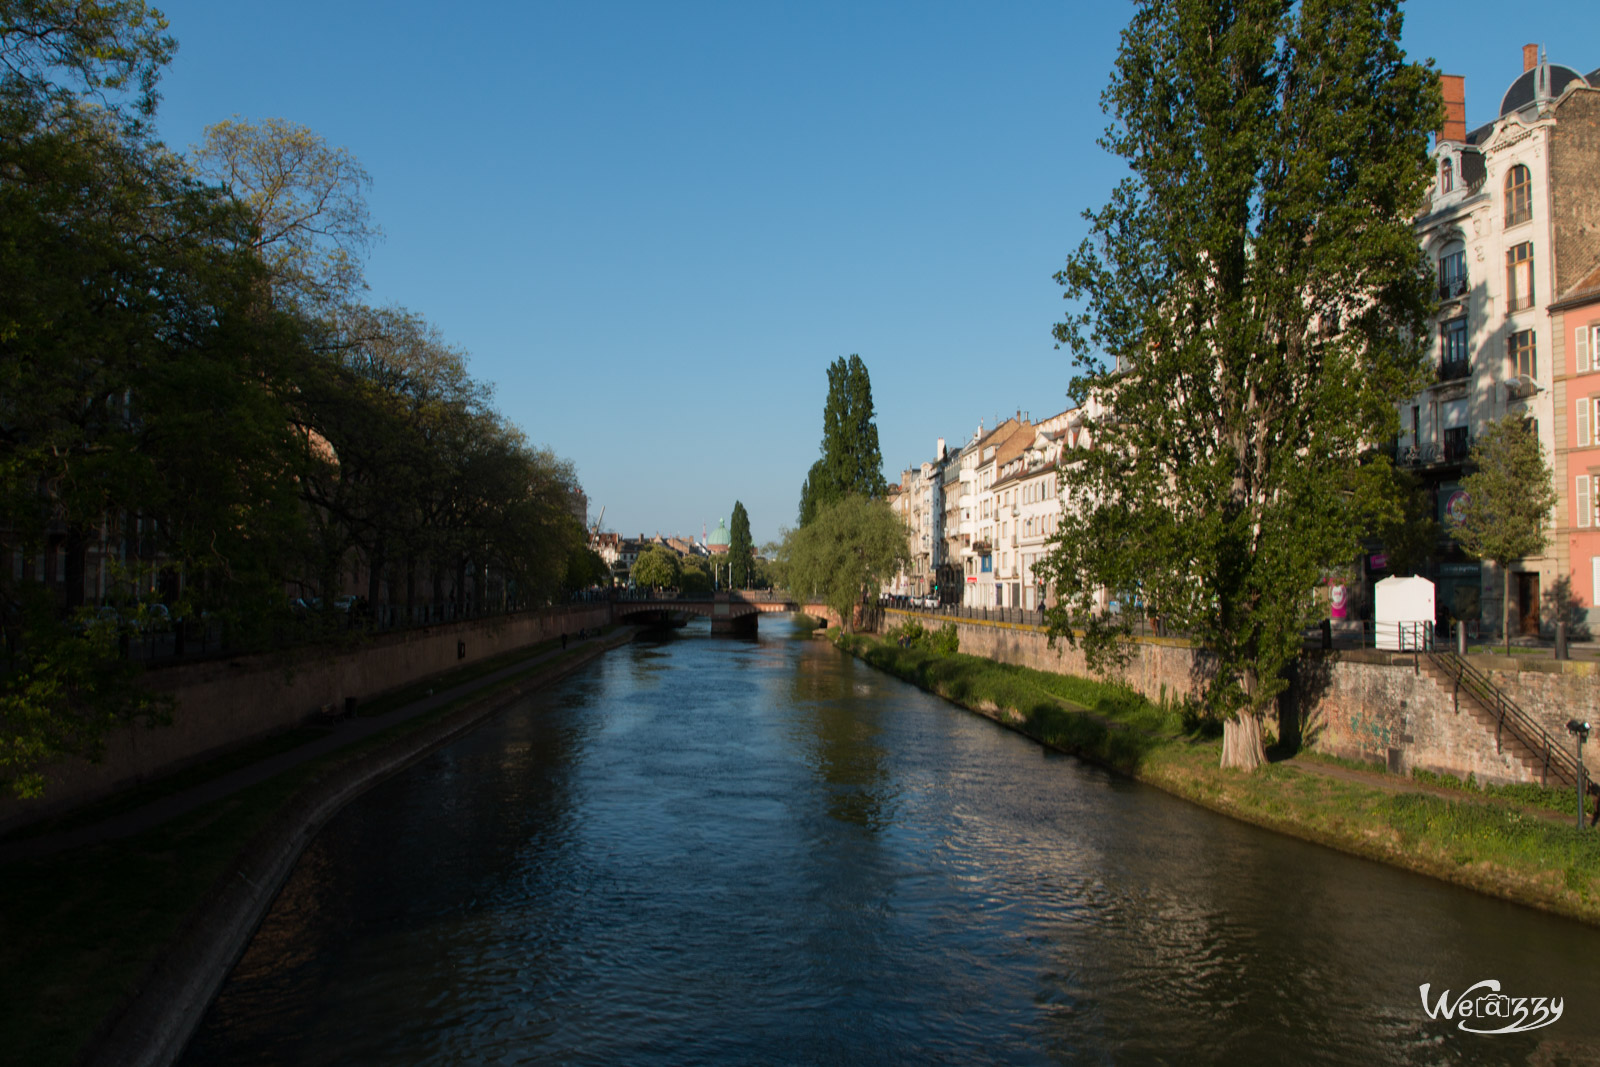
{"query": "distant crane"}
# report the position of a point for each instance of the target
(594, 531)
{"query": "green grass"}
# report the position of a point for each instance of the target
(79, 929)
(1529, 794)
(1109, 723)
(1479, 841)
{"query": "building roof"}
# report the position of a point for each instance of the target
(1585, 292)
(1525, 90)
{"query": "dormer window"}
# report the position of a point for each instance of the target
(1519, 195)
(1447, 175)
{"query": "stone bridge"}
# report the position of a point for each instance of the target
(735, 611)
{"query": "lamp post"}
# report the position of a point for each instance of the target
(1580, 730)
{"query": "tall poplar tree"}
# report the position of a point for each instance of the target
(851, 461)
(1247, 311)
(741, 549)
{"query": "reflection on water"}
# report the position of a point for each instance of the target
(723, 851)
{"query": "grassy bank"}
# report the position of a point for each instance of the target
(78, 930)
(1490, 844)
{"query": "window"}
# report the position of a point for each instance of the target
(1519, 195)
(1519, 276)
(1585, 509)
(1453, 274)
(1453, 349)
(1446, 175)
(1586, 343)
(1520, 351)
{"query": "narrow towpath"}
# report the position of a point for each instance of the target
(1391, 783)
(137, 820)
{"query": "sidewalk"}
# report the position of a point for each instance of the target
(347, 732)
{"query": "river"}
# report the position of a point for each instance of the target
(724, 851)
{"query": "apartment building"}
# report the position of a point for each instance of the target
(1513, 217)
(1575, 325)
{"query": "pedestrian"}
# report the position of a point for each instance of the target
(563, 639)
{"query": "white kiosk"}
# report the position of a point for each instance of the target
(1403, 611)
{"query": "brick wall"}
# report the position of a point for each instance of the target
(223, 704)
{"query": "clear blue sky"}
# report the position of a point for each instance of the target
(654, 225)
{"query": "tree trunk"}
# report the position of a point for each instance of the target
(1505, 570)
(1241, 742)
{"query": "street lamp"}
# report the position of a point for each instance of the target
(1579, 729)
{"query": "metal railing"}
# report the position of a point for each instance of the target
(1509, 718)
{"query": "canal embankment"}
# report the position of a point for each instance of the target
(126, 940)
(223, 704)
(1500, 846)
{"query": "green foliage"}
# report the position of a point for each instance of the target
(912, 634)
(1257, 286)
(1509, 498)
(741, 549)
(585, 569)
(305, 202)
(851, 547)
(656, 568)
(851, 461)
(65, 691)
(184, 379)
(114, 46)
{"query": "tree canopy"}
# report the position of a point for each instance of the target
(1247, 311)
(212, 448)
(849, 550)
(1508, 501)
(656, 568)
(851, 461)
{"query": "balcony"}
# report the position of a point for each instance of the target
(1454, 369)
(1457, 447)
(1452, 287)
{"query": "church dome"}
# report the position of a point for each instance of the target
(720, 535)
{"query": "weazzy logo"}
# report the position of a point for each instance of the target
(1483, 1009)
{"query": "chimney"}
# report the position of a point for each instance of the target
(1455, 108)
(1530, 57)
(940, 453)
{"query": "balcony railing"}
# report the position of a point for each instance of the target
(1452, 287)
(1455, 451)
(1453, 369)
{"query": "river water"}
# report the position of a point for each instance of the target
(712, 850)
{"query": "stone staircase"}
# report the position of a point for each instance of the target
(1515, 732)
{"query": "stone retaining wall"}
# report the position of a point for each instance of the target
(222, 704)
(1360, 704)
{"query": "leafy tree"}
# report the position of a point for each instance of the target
(656, 568)
(741, 550)
(136, 397)
(1257, 287)
(851, 548)
(694, 576)
(107, 47)
(1509, 498)
(851, 460)
(305, 200)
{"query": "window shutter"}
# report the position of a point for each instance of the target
(1583, 349)
(1583, 422)
(1584, 507)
